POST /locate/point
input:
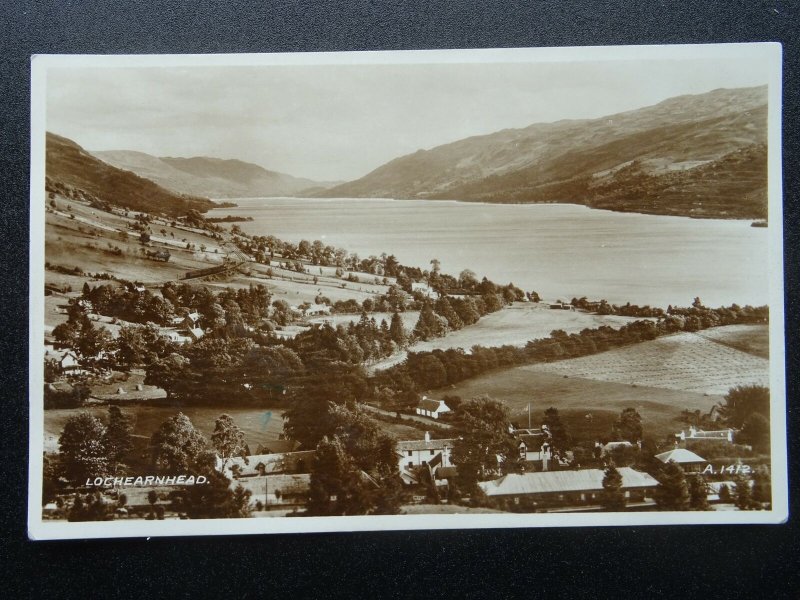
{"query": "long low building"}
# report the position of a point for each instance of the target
(567, 488)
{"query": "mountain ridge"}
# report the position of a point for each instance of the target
(209, 176)
(576, 160)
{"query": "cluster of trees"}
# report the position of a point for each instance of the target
(746, 408)
(680, 491)
(602, 307)
(90, 448)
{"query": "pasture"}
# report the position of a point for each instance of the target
(575, 398)
(519, 323)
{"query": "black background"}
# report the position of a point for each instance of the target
(641, 562)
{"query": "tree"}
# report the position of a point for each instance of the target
(118, 437)
(397, 332)
(742, 401)
(559, 438)
(743, 495)
(628, 426)
(176, 445)
(83, 450)
(485, 449)
(336, 486)
(228, 438)
(698, 492)
(215, 499)
(756, 432)
(762, 485)
(673, 491)
(613, 497)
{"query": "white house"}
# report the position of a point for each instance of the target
(69, 362)
(317, 309)
(425, 289)
(430, 453)
(431, 408)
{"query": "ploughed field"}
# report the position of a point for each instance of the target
(684, 361)
(659, 378)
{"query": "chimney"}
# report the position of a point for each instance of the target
(427, 436)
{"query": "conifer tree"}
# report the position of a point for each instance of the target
(673, 493)
(613, 497)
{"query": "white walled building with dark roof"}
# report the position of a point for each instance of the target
(428, 407)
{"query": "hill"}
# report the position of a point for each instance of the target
(698, 155)
(213, 177)
(67, 164)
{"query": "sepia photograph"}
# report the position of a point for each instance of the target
(442, 289)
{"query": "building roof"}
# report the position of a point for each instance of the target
(432, 405)
(287, 484)
(279, 462)
(680, 456)
(585, 480)
(425, 444)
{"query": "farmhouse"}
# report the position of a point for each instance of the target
(557, 489)
(434, 454)
(431, 408)
(688, 460)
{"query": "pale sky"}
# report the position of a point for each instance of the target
(340, 122)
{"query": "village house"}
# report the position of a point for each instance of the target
(428, 407)
(563, 489)
(699, 435)
(276, 480)
(433, 454)
(69, 362)
(265, 464)
(316, 310)
(688, 460)
(425, 290)
(604, 450)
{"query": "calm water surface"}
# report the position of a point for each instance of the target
(559, 250)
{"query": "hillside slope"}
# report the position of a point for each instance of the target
(701, 155)
(69, 164)
(213, 177)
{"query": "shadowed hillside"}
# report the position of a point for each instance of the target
(701, 155)
(69, 164)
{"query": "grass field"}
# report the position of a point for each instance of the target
(519, 323)
(753, 339)
(576, 397)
